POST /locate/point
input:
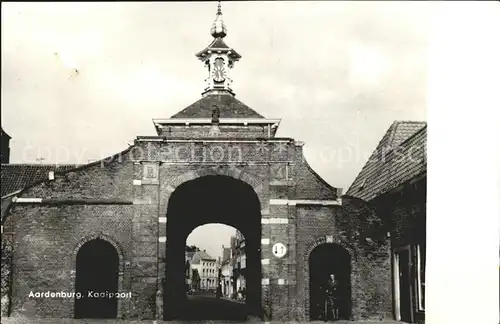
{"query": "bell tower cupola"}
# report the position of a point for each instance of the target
(218, 58)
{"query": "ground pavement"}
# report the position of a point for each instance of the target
(197, 309)
(12, 320)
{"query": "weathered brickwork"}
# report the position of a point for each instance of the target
(6, 269)
(370, 263)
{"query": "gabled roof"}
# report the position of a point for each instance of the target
(399, 157)
(15, 177)
(190, 255)
(229, 107)
(201, 255)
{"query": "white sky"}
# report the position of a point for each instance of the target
(337, 73)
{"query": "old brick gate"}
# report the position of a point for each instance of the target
(215, 161)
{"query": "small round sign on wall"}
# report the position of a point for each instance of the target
(279, 250)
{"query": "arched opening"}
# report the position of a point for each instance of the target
(325, 260)
(97, 265)
(205, 200)
(216, 272)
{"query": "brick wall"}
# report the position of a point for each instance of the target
(6, 271)
(370, 262)
(46, 238)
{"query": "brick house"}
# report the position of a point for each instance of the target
(127, 217)
(394, 182)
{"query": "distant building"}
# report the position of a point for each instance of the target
(207, 269)
(189, 270)
(394, 183)
(226, 273)
(239, 261)
(5, 150)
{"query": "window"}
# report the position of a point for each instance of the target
(421, 276)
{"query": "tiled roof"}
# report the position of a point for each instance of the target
(229, 107)
(201, 255)
(190, 255)
(399, 157)
(15, 177)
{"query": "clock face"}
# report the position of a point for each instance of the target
(219, 72)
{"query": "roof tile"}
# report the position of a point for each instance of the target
(15, 177)
(399, 157)
(201, 255)
(229, 106)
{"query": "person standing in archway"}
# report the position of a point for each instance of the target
(331, 300)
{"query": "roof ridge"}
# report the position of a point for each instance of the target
(413, 135)
(397, 124)
(378, 174)
(411, 121)
(392, 129)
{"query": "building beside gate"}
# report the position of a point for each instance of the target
(127, 218)
(394, 183)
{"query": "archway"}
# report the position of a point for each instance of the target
(211, 199)
(97, 264)
(326, 259)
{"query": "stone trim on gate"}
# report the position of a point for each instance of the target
(311, 246)
(121, 268)
(232, 172)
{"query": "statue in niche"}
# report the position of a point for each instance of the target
(215, 114)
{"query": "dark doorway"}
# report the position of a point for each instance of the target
(326, 259)
(212, 199)
(97, 272)
(405, 308)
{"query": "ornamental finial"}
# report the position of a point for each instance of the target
(218, 29)
(219, 9)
